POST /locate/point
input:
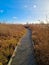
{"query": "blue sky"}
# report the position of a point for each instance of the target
(22, 11)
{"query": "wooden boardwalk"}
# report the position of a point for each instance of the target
(24, 54)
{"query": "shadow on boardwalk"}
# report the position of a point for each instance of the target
(24, 55)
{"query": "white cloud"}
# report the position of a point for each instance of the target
(34, 6)
(14, 17)
(1, 11)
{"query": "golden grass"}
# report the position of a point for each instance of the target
(10, 35)
(40, 36)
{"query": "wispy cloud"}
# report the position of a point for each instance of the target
(25, 6)
(14, 17)
(1, 11)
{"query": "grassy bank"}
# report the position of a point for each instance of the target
(10, 35)
(40, 36)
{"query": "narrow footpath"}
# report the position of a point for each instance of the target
(24, 54)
